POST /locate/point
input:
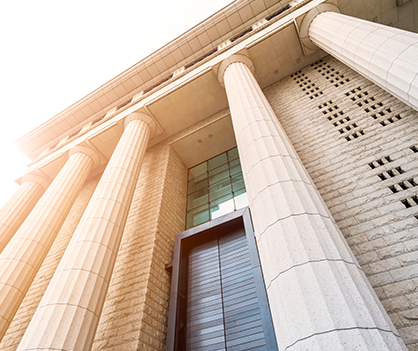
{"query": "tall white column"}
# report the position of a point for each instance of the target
(15, 211)
(22, 257)
(385, 55)
(319, 297)
(68, 314)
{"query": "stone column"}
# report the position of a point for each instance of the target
(385, 55)
(319, 297)
(21, 259)
(15, 211)
(68, 314)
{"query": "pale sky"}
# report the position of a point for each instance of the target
(55, 52)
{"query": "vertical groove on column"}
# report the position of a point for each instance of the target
(68, 314)
(385, 55)
(319, 297)
(23, 256)
(15, 211)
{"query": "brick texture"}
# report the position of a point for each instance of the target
(28, 307)
(135, 313)
(359, 144)
(136, 309)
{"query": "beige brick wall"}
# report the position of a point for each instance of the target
(346, 130)
(364, 163)
(24, 314)
(136, 309)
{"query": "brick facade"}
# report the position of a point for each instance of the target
(358, 144)
(135, 313)
(349, 134)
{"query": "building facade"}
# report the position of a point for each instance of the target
(251, 185)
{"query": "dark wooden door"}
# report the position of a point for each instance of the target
(223, 311)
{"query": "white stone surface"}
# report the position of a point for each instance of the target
(75, 296)
(15, 211)
(314, 284)
(302, 313)
(21, 259)
(385, 55)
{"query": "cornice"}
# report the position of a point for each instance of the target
(26, 141)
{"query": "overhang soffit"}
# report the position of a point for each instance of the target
(155, 67)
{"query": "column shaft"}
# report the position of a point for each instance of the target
(387, 56)
(67, 316)
(319, 297)
(21, 259)
(15, 211)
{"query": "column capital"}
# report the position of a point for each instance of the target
(142, 117)
(233, 59)
(309, 17)
(88, 151)
(31, 177)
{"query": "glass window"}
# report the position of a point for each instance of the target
(217, 161)
(216, 187)
(198, 216)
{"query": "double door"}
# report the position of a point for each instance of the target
(223, 309)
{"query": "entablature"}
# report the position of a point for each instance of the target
(183, 53)
(193, 94)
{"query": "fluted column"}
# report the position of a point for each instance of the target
(385, 55)
(22, 257)
(68, 314)
(15, 211)
(319, 297)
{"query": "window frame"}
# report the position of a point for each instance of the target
(177, 317)
(214, 199)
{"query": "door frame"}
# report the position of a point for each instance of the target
(184, 241)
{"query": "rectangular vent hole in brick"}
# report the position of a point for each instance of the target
(390, 120)
(382, 176)
(409, 202)
(325, 104)
(355, 135)
(341, 121)
(353, 91)
(341, 83)
(380, 162)
(414, 148)
(296, 75)
(391, 173)
(403, 186)
(317, 63)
